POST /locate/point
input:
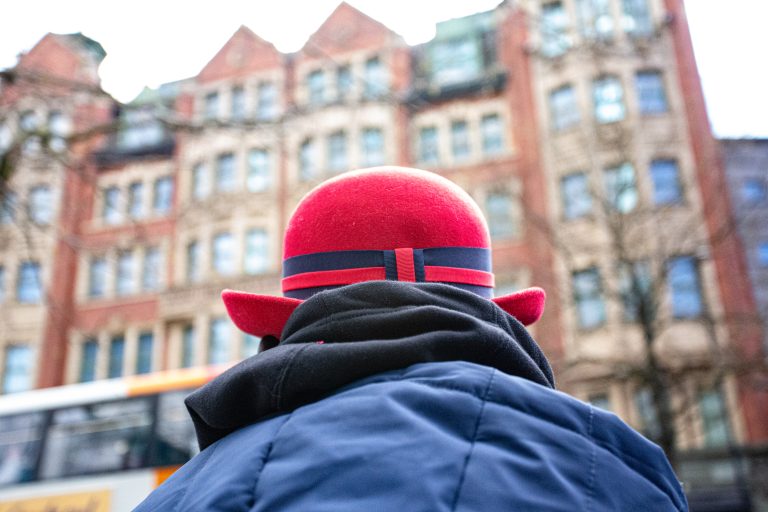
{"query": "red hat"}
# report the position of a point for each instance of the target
(385, 223)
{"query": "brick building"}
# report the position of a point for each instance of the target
(558, 117)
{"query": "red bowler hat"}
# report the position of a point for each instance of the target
(384, 223)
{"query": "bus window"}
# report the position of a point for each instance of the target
(175, 437)
(20, 437)
(97, 438)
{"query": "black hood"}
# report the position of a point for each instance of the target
(343, 335)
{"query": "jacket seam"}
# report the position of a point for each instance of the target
(474, 440)
(592, 462)
(198, 474)
(265, 459)
(596, 442)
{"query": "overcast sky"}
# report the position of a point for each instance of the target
(154, 41)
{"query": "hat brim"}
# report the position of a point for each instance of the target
(266, 315)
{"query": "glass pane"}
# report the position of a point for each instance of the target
(188, 346)
(343, 82)
(373, 147)
(163, 195)
(650, 92)
(666, 182)
(316, 86)
(98, 438)
(588, 295)
(144, 356)
(224, 254)
(563, 108)
(176, 442)
(212, 105)
(375, 78)
(250, 345)
(493, 138)
(459, 140)
(193, 262)
(219, 342)
(554, 26)
(125, 275)
(609, 100)
(135, 200)
(714, 418)
(90, 352)
(20, 443)
(41, 205)
(620, 188)
(258, 170)
(577, 201)
(225, 172)
(456, 60)
(112, 213)
(150, 277)
(266, 107)
(17, 374)
(201, 181)
(428, 149)
(601, 400)
(116, 357)
(500, 221)
(256, 251)
(29, 286)
(337, 152)
(595, 20)
(684, 290)
(307, 160)
(636, 19)
(238, 103)
(97, 277)
(649, 419)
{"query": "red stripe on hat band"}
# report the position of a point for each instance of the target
(405, 269)
(458, 275)
(333, 278)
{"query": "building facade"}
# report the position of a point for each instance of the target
(577, 125)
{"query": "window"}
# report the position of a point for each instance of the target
(492, 134)
(8, 207)
(373, 147)
(307, 160)
(456, 60)
(139, 128)
(600, 400)
(753, 190)
(30, 125)
(59, 127)
(256, 251)
(150, 275)
(116, 357)
(563, 109)
(684, 289)
(595, 20)
(609, 99)
(193, 262)
(22, 437)
(574, 191)
(41, 205)
(162, 195)
(343, 82)
(188, 346)
(250, 345)
(224, 254)
(266, 101)
(258, 178)
(97, 277)
(501, 223)
(2, 284)
(666, 182)
(144, 355)
(337, 151)
(588, 295)
(649, 420)
(459, 140)
(714, 418)
(621, 188)
(29, 288)
(17, 374)
(218, 344)
(636, 18)
(88, 358)
(316, 87)
(237, 105)
(635, 288)
(762, 256)
(650, 92)
(201, 181)
(211, 106)
(428, 148)
(125, 276)
(99, 438)
(111, 210)
(375, 79)
(136, 200)
(225, 172)
(554, 27)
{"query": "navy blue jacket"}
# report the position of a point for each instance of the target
(444, 433)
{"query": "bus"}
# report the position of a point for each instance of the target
(101, 446)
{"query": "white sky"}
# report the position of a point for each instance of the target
(154, 41)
